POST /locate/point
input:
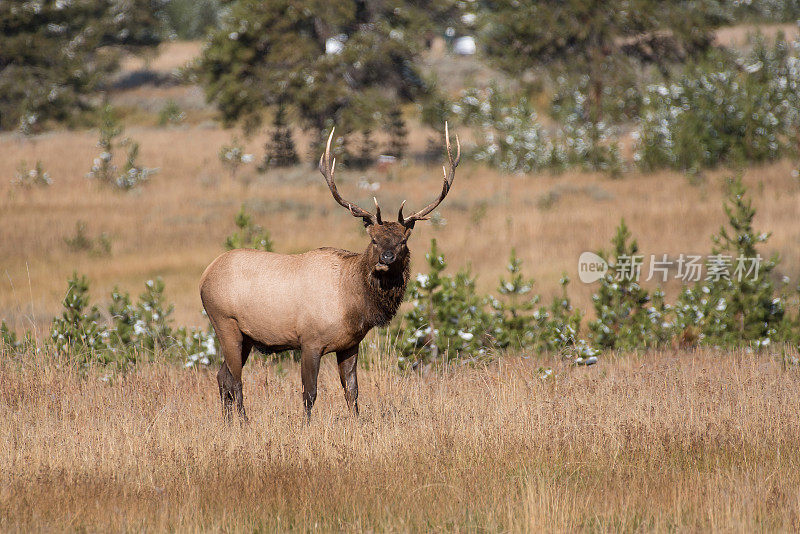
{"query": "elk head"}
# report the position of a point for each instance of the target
(388, 251)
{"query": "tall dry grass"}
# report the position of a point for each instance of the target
(671, 441)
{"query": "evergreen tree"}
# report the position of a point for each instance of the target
(624, 319)
(249, 234)
(398, 134)
(78, 326)
(598, 38)
(280, 149)
(515, 311)
(737, 301)
(54, 54)
(448, 319)
(345, 62)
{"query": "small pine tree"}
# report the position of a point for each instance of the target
(233, 157)
(249, 234)
(154, 323)
(78, 327)
(123, 318)
(8, 338)
(514, 312)
(398, 134)
(624, 322)
(559, 327)
(280, 149)
(103, 168)
(448, 319)
(29, 178)
(366, 153)
(738, 303)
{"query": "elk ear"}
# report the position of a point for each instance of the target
(408, 229)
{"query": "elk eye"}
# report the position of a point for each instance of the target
(374, 242)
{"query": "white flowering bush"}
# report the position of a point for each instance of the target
(104, 170)
(620, 99)
(233, 157)
(28, 178)
(588, 145)
(448, 319)
(133, 331)
(738, 113)
(736, 310)
(511, 138)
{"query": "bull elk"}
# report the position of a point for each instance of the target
(321, 301)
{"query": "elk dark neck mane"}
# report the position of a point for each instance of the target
(383, 291)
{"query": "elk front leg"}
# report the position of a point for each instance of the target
(348, 374)
(309, 370)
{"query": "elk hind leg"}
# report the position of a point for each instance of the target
(309, 371)
(235, 349)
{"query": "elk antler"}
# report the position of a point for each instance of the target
(326, 167)
(448, 182)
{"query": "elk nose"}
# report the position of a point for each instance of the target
(387, 257)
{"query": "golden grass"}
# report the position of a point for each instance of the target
(689, 441)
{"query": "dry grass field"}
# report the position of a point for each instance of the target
(689, 441)
(671, 441)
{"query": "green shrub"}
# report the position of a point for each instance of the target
(738, 304)
(729, 115)
(448, 319)
(103, 168)
(153, 317)
(520, 325)
(171, 113)
(560, 329)
(514, 308)
(628, 317)
(29, 178)
(82, 242)
(249, 234)
(735, 304)
(8, 338)
(233, 157)
(78, 330)
(144, 329)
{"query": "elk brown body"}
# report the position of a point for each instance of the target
(322, 301)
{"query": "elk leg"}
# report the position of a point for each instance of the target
(234, 350)
(309, 370)
(348, 374)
